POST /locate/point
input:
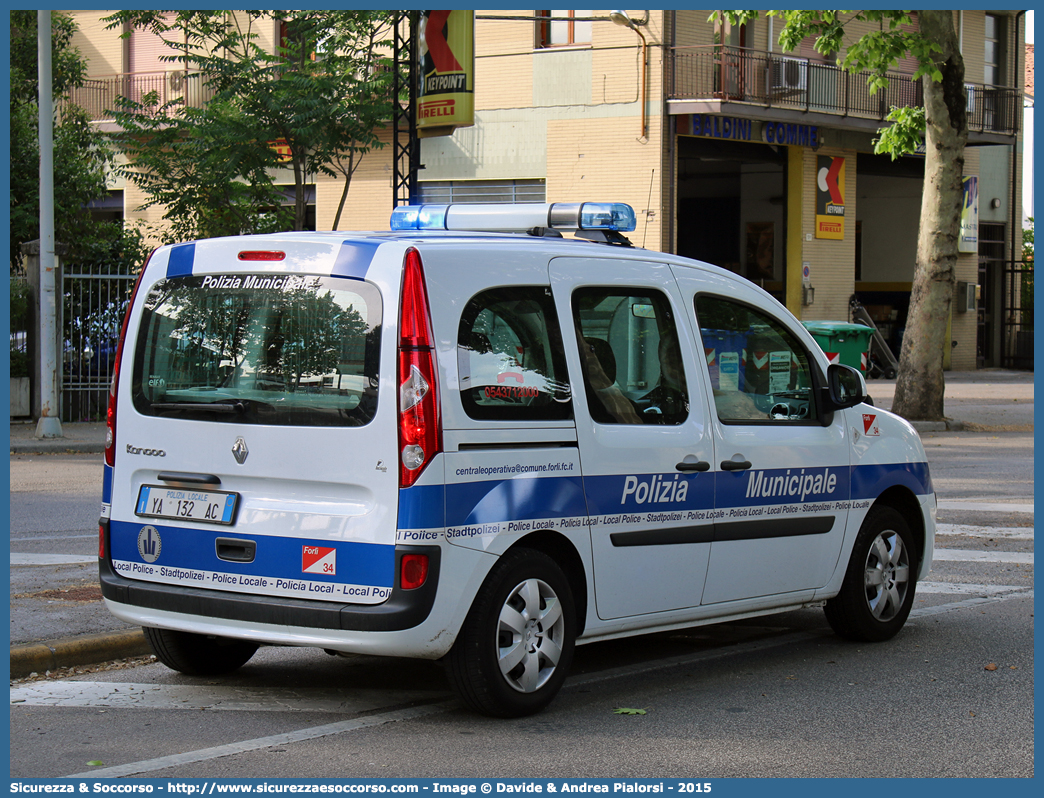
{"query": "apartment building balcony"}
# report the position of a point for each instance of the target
(98, 95)
(742, 82)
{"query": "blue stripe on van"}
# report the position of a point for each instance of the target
(180, 261)
(277, 558)
(106, 483)
(353, 259)
(870, 481)
(500, 501)
(523, 498)
(632, 493)
(762, 487)
(422, 507)
(490, 502)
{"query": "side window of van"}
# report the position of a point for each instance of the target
(510, 357)
(759, 372)
(632, 364)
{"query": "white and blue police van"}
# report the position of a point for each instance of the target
(474, 438)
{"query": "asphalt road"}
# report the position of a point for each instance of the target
(951, 696)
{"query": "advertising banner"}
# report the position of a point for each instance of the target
(968, 240)
(446, 62)
(830, 197)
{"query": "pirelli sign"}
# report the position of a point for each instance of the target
(446, 61)
(830, 197)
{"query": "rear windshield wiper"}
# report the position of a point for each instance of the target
(212, 407)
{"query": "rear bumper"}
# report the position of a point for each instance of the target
(405, 609)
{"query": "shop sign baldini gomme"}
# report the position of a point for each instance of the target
(737, 129)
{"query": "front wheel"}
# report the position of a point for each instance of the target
(198, 655)
(515, 647)
(879, 586)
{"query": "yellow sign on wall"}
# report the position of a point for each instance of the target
(830, 197)
(968, 240)
(446, 61)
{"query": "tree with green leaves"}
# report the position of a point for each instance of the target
(942, 124)
(81, 157)
(314, 106)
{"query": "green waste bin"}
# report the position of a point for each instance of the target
(842, 341)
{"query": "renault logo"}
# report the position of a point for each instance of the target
(240, 451)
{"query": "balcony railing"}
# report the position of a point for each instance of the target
(740, 75)
(98, 95)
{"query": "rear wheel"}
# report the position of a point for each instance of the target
(516, 645)
(879, 586)
(198, 655)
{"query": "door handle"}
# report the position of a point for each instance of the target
(702, 465)
(735, 465)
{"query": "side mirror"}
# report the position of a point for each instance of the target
(846, 388)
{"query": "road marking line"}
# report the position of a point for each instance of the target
(123, 695)
(954, 588)
(204, 754)
(967, 603)
(53, 559)
(963, 555)
(985, 506)
(979, 531)
(161, 763)
(53, 537)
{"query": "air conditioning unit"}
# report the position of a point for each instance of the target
(789, 74)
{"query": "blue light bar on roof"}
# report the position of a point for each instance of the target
(515, 218)
(607, 216)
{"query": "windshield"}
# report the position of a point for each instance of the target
(260, 349)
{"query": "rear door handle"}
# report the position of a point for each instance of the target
(735, 465)
(702, 465)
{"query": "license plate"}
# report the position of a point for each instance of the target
(183, 504)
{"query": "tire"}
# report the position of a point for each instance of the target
(516, 645)
(879, 586)
(198, 655)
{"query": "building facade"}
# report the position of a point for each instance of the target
(729, 151)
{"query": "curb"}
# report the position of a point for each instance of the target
(71, 651)
(56, 446)
(938, 426)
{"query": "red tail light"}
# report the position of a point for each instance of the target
(110, 413)
(414, 571)
(261, 254)
(420, 431)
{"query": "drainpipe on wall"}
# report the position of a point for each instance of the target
(1015, 222)
(672, 136)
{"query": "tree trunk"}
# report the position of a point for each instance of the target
(919, 389)
(347, 185)
(300, 205)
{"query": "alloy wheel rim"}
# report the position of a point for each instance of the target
(529, 635)
(886, 578)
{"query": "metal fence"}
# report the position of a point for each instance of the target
(98, 96)
(92, 311)
(1017, 352)
(741, 75)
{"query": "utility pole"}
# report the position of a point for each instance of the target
(49, 424)
(405, 155)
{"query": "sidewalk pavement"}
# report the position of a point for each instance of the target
(988, 400)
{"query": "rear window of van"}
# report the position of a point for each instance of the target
(259, 349)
